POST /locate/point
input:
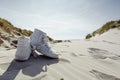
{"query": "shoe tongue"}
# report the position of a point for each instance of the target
(22, 40)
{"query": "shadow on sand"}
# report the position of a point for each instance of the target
(32, 67)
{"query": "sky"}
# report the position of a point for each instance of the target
(60, 19)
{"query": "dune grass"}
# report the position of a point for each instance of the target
(9, 28)
(104, 28)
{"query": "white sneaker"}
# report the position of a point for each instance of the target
(46, 50)
(36, 38)
(39, 42)
(23, 49)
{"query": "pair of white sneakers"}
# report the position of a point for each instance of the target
(38, 42)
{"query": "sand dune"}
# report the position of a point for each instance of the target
(95, 59)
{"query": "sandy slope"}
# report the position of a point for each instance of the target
(95, 59)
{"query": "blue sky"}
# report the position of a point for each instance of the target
(60, 19)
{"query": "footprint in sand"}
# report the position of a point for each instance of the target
(102, 76)
(102, 54)
(98, 53)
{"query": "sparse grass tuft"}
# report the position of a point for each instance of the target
(104, 28)
(88, 36)
(57, 41)
(9, 28)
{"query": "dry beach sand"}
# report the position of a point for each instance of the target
(94, 59)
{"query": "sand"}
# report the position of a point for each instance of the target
(94, 59)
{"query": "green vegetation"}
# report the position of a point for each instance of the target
(6, 26)
(9, 28)
(50, 39)
(88, 36)
(57, 41)
(104, 28)
(26, 32)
